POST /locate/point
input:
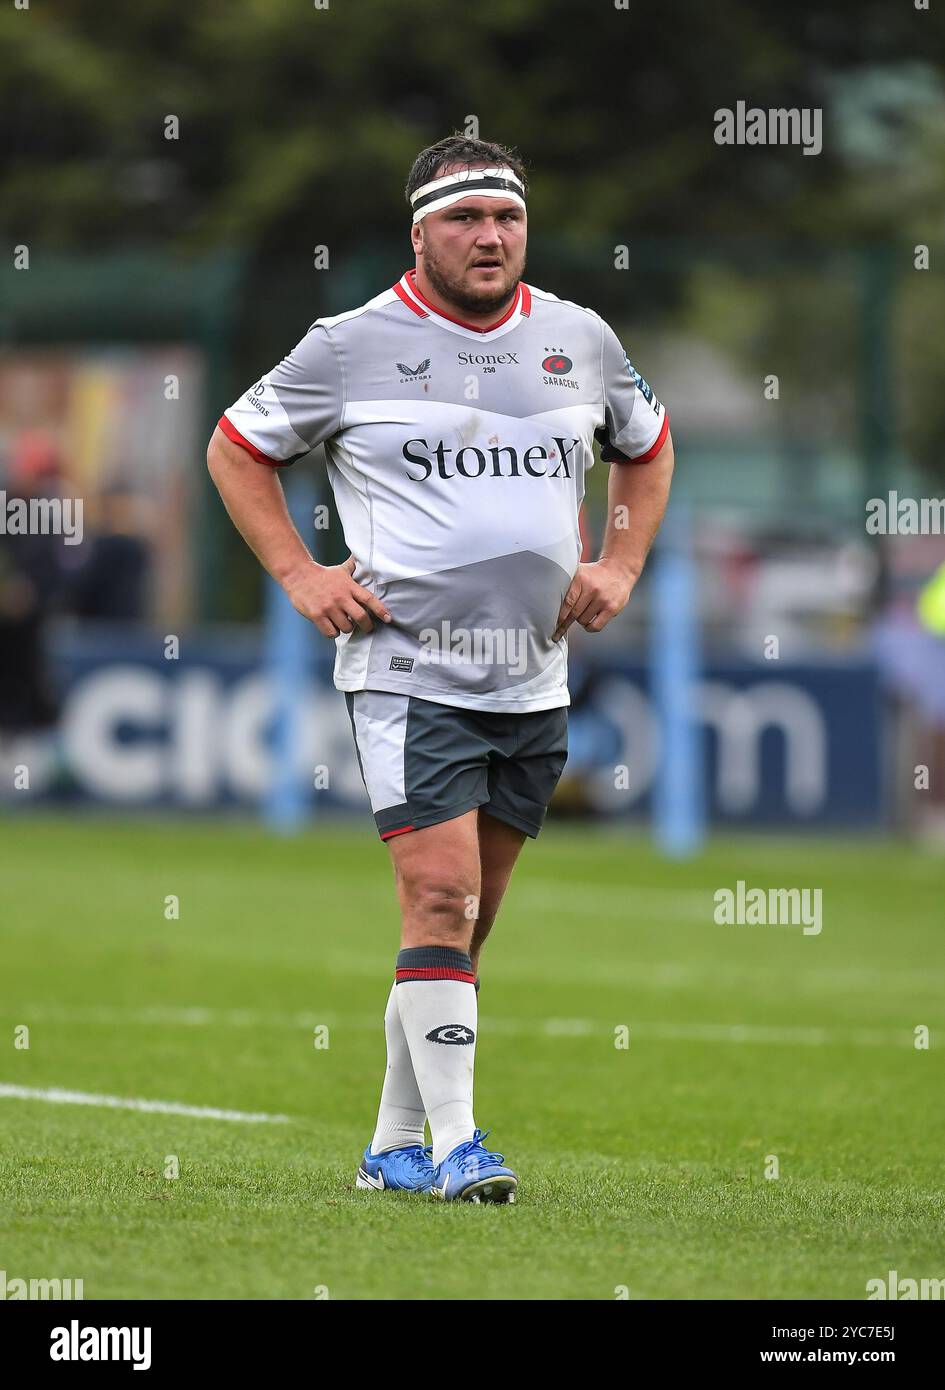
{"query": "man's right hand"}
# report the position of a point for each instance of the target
(253, 496)
(329, 598)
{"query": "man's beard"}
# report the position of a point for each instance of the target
(454, 291)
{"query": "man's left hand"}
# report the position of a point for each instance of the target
(596, 594)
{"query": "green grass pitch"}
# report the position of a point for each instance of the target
(642, 1168)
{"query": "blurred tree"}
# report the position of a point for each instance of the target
(295, 127)
(298, 124)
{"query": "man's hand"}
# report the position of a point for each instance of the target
(596, 594)
(253, 496)
(329, 597)
(635, 493)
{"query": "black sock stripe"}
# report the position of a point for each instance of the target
(433, 957)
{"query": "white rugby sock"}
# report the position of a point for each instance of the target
(436, 996)
(401, 1115)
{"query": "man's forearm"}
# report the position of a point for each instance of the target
(325, 594)
(636, 500)
(252, 494)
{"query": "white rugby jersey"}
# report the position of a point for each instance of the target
(457, 458)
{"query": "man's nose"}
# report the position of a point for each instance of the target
(488, 232)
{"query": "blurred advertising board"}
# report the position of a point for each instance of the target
(785, 745)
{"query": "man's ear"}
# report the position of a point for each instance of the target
(416, 237)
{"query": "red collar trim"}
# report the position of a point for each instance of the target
(406, 289)
(411, 303)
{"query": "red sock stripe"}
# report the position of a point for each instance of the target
(436, 972)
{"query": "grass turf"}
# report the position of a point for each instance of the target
(641, 1168)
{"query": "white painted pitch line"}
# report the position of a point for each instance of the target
(201, 1017)
(56, 1096)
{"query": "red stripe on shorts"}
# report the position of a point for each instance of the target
(388, 834)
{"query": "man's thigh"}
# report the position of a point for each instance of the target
(455, 793)
(422, 763)
(451, 878)
(531, 752)
(438, 879)
(499, 847)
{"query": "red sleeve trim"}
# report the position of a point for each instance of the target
(655, 447)
(233, 433)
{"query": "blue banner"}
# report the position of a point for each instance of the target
(153, 721)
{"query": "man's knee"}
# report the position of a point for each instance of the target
(445, 903)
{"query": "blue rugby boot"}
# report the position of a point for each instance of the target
(472, 1174)
(409, 1169)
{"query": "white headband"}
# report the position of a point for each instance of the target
(485, 183)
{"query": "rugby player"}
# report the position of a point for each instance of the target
(459, 410)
